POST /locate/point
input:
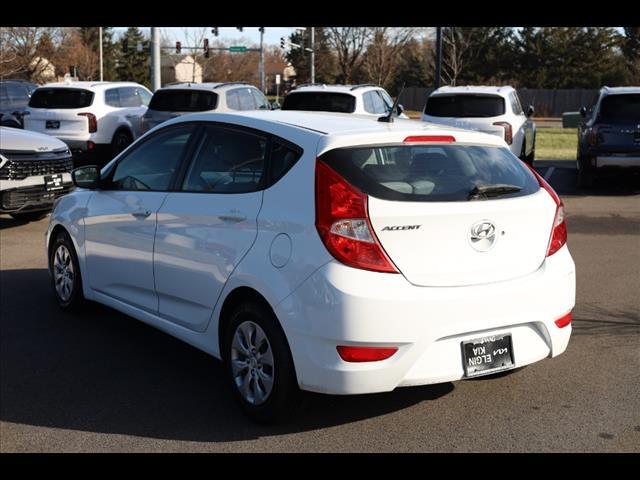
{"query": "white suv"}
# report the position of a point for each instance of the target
(34, 172)
(327, 252)
(96, 119)
(177, 99)
(365, 99)
(493, 110)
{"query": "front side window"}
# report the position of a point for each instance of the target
(145, 96)
(260, 99)
(245, 99)
(227, 161)
(129, 97)
(430, 173)
(152, 165)
(374, 103)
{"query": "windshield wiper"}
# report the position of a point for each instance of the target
(492, 190)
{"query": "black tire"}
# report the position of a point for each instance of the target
(121, 140)
(30, 216)
(586, 176)
(75, 301)
(285, 396)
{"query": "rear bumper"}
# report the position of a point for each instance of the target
(339, 305)
(619, 161)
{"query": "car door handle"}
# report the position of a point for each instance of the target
(141, 213)
(238, 217)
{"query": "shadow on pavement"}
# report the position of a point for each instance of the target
(564, 180)
(105, 372)
(10, 222)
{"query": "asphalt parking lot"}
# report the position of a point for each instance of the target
(105, 382)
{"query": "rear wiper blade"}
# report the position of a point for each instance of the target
(492, 190)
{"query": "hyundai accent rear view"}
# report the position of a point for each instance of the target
(324, 252)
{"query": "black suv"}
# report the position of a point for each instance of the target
(609, 138)
(14, 98)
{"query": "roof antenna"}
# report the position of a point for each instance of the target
(389, 118)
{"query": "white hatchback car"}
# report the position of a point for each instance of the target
(96, 119)
(364, 99)
(323, 252)
(180, 98)
(492, 110)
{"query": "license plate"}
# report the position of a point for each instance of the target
(486, 355)
(52, 124)
(53, 182)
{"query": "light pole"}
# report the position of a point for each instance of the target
(261, 68)
(155, 59)
(313, 55)
(100, 50)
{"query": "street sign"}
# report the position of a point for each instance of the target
(277, 79)
(238, 48)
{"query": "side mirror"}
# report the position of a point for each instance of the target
(400, 110)
(86, 177)
(530, 110)
(275, 106)
(583, 111)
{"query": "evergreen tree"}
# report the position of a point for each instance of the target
(631, 52)
(91, 38)
(413, 67)
(326, 68)
(133, 66)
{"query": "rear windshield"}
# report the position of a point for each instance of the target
(320, 102)
(183, 101)
(61, 98)
(621, 108)
(430, 173)
(465, 106)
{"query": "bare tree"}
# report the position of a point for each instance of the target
(21, 53)
(459, 48)
(349, 44)
(195, 38)
(383, 53)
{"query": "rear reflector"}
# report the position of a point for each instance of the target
(430, 139)
(365, 354)
(563, 321)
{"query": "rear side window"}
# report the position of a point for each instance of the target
(61, 98)
(171, 100)
(621, 108)
(320, 102)
(227, 161)
(283, 157)
(112, 97)
(515, 103)
(240, 99)
(465, 106)
(373, 103)
(430, 173)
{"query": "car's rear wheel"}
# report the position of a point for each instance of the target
(30, 216)
(259, 364)
(65, 273)
(121, 140)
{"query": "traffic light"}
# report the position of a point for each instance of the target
(206, 48)
(178, 48)
(261, 29)
(214, 30)
(282, 42)
(125, 45)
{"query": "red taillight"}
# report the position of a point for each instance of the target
(342, 220)
(595, 135)
(93, 121)
(508, 132)
(365, 354)
(430, 139)
(564, 320)
(559, 230)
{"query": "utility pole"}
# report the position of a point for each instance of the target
(313, 55)
(100, 50)
(262, 87)
(155, 59)
(438, 55)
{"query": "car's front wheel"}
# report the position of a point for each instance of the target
(65, 273)
(259, 364)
